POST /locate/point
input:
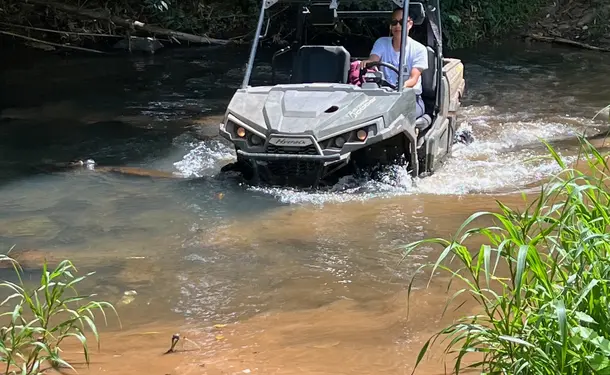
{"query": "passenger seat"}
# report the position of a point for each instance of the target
(324, 64)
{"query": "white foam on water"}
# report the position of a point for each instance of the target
(507, 153)
(500, 159)
(204, 158)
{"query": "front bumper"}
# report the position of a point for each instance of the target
(268, 156)
(298, 159)
(292, 169)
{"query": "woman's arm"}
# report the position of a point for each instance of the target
(420, 63)
(415, 74)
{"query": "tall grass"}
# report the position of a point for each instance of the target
(540, 280)
(41, 318)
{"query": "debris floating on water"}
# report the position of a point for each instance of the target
(128, 297)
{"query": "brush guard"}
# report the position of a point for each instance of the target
(292, 168)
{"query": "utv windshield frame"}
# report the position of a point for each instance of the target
(333, 6)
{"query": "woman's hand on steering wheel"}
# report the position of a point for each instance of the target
(374, 64)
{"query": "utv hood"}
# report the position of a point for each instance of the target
(319, 110)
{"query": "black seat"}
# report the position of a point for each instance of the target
(324, 64)
(424, 35)
(428, 83)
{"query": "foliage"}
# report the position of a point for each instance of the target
(541, 280)
(42, 318)
(469, 21)
(466, 22)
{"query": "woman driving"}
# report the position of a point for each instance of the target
(387, 49)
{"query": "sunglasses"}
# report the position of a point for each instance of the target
(397, 22)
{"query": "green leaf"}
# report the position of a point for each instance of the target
(521, 258)
(563, 331)
(599, 363)
(515, 340)
(455, 19)
(583, 317)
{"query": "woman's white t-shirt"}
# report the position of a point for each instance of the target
(416, 57)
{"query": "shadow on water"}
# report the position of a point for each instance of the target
(210, 249)
(117, 110)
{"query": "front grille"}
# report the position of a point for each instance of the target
(306, 150)
(293, 167)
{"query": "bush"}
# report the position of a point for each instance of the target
(468, 22)
(42, 318)
(548, 312)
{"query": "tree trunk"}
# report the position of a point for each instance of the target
(129, 24)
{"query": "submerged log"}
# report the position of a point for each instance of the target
(549, 39)
(37, 43)
(130, 24)
(134, 43)
(29, 259)
(90, 165)
(140, 172)
(131, 171)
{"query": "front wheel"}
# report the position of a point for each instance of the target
(240, 166)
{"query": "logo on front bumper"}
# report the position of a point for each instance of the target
(288, 141)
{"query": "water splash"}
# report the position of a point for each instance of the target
(506, 155)
(204, 159)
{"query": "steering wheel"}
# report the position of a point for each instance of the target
(374, 64)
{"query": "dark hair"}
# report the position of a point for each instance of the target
(409, 16)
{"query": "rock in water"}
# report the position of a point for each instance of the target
(148, 44)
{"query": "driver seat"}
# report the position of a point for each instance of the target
(428, 83)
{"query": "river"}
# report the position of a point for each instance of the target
(307, 283)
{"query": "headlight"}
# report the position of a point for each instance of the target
(241, 132)
(362, 135)
(256, 140)
(339, 141)
(354, 136)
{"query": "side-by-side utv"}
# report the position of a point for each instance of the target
(321, 125)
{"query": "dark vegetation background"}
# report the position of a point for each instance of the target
(466, 22)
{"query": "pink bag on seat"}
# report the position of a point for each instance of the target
(353, 78)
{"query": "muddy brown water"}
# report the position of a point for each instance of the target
(305, 282)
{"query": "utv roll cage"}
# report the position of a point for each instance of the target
(425, 13)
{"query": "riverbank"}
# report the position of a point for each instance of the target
(577, 23)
